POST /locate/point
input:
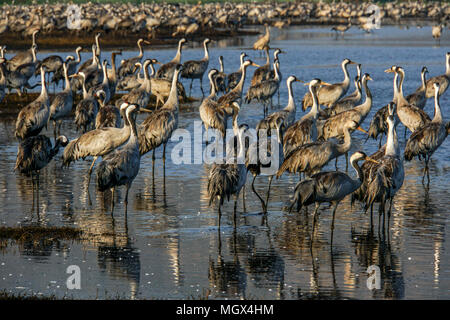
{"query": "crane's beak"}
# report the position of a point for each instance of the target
(300, 80)
(362, 130)
(74, 75)
(145, 110)
(367, 158)
(255, 65)
(389, 70)
(369, 78)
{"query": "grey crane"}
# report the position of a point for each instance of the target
(386, 178)
(141, 94)
(221, 78)
(348, 102)
(34, 154)
(234, 77)
(166, 70)
(195, 69)
(121, 166)
(131, 81)
(97, 143)
(112, 74)
(264, 72)
(304, 130)
(72, 64)
(51, 64)
(107, 115)
(62, 103)
(15, 79)
(264, 90)
(86, 110)
(311, 157)
(418, 98)
(263, 42)
(127, 66)
(425, 141)
(211, 112)
(22, 57)
(328, 95)
(412, 117)
(33, 117)
(328, 187)
(335, 125)
(263, 150)
(96, 53)
(443, 79)
(287, 115)
(158, 127)
(104, 86)
(235, 95)
(227, 179)
(161, 87)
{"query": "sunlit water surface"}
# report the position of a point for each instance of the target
(169, 245)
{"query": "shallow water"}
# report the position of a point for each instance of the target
(169, 245)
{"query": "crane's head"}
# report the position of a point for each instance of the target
(366, 77)
(424, 70)
(359, 155)
(436, 87)
(347, 61)
(291, 79)
(62, 140)
(70, 58)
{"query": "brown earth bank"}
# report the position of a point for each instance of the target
(163, 24)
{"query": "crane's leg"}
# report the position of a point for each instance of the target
(164, 159)
(316, 209)
(190, 87)
(37, 194)
(268, 191)
(201, 87)
(54, 129)
(263, 204)
(90, 168)
(220, 214)
(113, 189)
(235, 208)
(243, 198)
(346, 161)
(381, 138)
(336, 163)
(206, 128)
(59, 127)
(332, 222)
(153, 164)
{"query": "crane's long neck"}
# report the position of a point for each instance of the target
(105, 75)
(97, 44)
(77, 52)
(141, 51)
(172, 101)
(400, 87)
(240, 85)
(395, 88)
(424, 81)
(205, 47)
(43, 88)
(291, 102)
(33, 52)
(315, 107)
(83, 85)
(177, 58)
(213, 87)
(66, 79)
(437, 108)
(113, 64)
(367, 105)
(391, 148)
(275, 69)
(133, 140)
(222, 69)
(147, 82)
(345, 146)
(358, 170)
(346, 81)
(267, 56)
(152, 67)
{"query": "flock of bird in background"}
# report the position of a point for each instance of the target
(304, 146)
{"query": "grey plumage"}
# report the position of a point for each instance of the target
(443, 80)
(195, 69)
(234, 77)
(107, 115)
(127, 66)
(122, 165)
(32, 118)
(36, 152)
(86, 110)
(166, 70)
(62, 103)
